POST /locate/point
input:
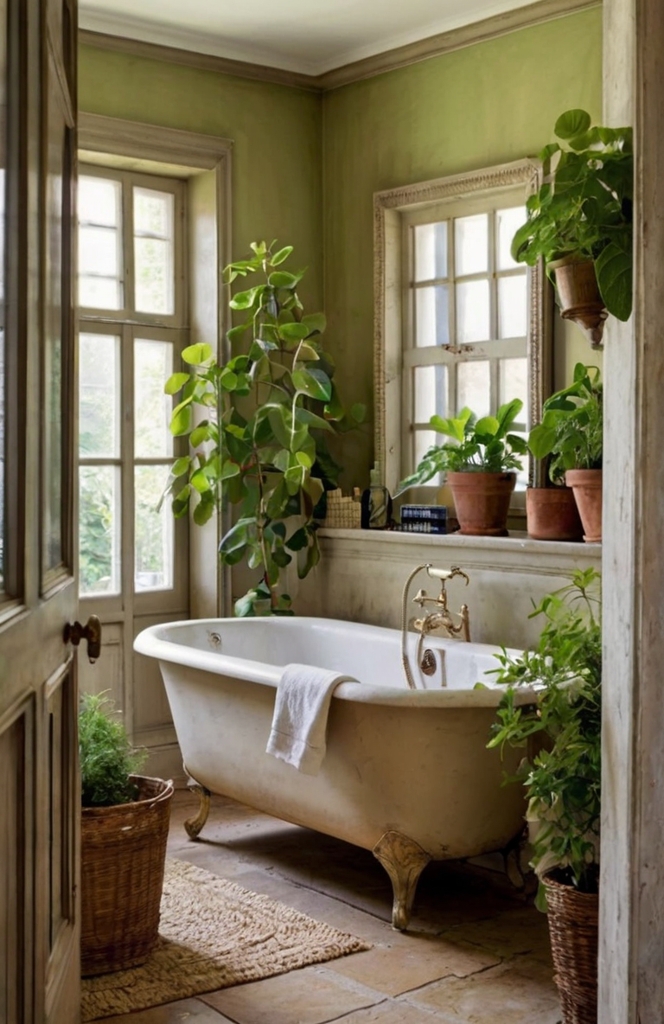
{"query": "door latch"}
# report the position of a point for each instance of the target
(74, 632)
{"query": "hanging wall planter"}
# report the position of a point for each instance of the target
(579, 297)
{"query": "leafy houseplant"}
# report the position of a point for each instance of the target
(479, 462)
(124, 828)
(582, 214)
(570, 437)
(261, 441)
(563, 778)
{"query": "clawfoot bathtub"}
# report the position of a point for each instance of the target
(406, 773)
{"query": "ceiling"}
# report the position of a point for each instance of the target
(307, 36)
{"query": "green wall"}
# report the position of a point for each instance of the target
(276, 133)
(483, 105)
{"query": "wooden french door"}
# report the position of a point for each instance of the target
(39, 799)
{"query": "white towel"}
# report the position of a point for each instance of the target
(299, 723)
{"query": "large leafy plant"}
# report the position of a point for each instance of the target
(258, 440)
(570, 434)
(478, 445)
(563, 777)
(107, 758)
(583, 209)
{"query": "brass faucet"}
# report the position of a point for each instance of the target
(442, 618)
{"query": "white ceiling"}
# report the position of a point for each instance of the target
(309, 36)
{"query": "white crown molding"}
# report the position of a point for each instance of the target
(182, 46)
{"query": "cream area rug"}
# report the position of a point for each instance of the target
(213, 934)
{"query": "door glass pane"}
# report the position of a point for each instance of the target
(153, 251)
(471, 244)
(512, 307)
(153, 541)
(472, 312)
(432, 324)
(153, 365)
(430, 386)
(430, 251)
(99, 396)
(474, 387)
(99, 530)
(100, 282)
(507, 222)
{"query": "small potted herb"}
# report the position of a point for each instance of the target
(480, 463)
(570, 437)
(580, 221)
(124, 829)
(562, 776)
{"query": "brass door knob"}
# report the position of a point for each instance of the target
(74, 632)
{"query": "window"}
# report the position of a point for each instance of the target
(458, 322)
(132, 327)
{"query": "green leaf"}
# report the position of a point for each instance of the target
(200, 434)
(293, 332)
(282, 279)
(614, 272)
(181, 420)
(358, 411)
(315, 323)
(314, 383)
(246, 300)
(204, 509)
(197, 355)
(571, 123)
(229, 470)
(235, 333)
(180, 466)
(175, 382)
(487, 425)
(281, 255)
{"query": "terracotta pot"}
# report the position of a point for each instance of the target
(552, 514)
(579, 297)
(572, 918)
(587, 487)
(482, 501)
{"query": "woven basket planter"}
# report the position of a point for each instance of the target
(123, 851)
(572, 919)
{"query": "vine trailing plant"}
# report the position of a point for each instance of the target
(261, 442)
(563, 778)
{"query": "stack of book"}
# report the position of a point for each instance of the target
(423, 519)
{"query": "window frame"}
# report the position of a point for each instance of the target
(391, 286)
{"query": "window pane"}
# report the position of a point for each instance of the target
(153, 250)
(153, 539)
(507, 222)
(99, 530)
(432, 324)
(430, 387)
(99, 201)
(471, 244)
(514, 383)
(98, 251)
(99, 292)
(99, 244)
(430, 251)
(472, 312)
(474, 387)
(153, 365)
(425, 439)
(512, 307)
(99, 396)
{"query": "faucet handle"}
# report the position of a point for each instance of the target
(447, 574)
(420, 598)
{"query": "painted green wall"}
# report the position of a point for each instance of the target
(483, 105)
(276, 133)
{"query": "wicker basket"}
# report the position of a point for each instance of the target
(123, 851)
(573, 929)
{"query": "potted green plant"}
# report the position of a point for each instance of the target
(259, 438)
(580, 221)
(560, 731)
(570, 437)
(480, 463)
(124, 829)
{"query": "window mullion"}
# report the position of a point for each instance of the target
(127, 467)
(128, 243)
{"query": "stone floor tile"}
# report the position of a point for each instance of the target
(391, 1012)
(398, 969)
(519, 931)
(518, 992)
(185, 1011)
(308, 996)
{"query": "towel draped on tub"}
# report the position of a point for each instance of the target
(301, 707)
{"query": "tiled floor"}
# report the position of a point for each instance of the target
(475, 953)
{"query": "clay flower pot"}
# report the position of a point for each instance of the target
(552, 514)
(579, 297)
(482, 501)
(587, 487)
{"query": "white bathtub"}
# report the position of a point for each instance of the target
(406, 773)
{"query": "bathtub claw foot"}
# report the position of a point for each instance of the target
(404, 860)
(193, 826)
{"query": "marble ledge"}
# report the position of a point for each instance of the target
(516, 552)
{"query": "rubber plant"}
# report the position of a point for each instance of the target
(261, 442)
(583, 209)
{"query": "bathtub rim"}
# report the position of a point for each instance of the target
(150, 643)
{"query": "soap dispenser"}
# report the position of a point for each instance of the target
(376, 503)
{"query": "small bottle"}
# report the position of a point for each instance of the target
(376, 503)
